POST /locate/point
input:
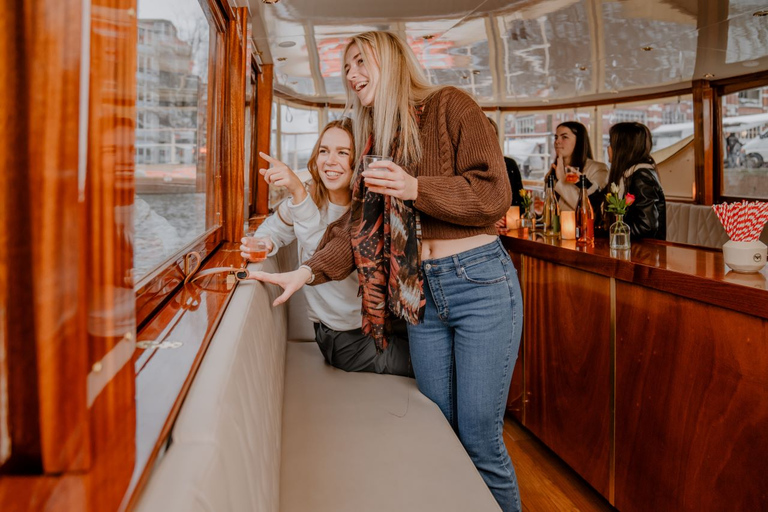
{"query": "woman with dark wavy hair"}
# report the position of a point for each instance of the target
(633, 170)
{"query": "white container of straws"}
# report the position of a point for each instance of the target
(743, 222)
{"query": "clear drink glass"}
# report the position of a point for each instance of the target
(257, 248)
(369, 159)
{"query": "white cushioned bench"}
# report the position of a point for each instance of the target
(696, 224)
(267, 426)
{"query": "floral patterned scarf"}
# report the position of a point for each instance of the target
(386, 240)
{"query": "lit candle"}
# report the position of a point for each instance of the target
(567, 225)
(513, 217)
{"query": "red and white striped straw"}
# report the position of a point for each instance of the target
(742, 221)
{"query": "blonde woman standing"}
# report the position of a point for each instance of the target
(421, 234)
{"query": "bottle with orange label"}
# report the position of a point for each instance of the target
(585, 216)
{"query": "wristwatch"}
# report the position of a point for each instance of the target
(311, 274)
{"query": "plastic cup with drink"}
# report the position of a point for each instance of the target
(257, 248)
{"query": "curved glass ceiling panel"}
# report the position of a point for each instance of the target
(747, 34)
(544, 51)
(295, 70)
(631, 26)
(458, 54)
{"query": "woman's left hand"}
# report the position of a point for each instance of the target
(386, 177)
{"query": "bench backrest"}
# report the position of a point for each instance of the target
(696, 224)
(226, 443)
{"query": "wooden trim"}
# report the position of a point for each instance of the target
(45, 319)
(163, 376)
(283, 95)
(233, 170)
(253, 170)
(264, 130)
(110, 195)
(740, 83)
(154, 292)
(703, 128)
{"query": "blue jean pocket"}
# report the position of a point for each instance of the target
(484, 271)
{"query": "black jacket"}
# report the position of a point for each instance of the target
(515, 180)
(647, 216)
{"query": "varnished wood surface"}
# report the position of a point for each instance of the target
(44, 317)
(111, 299)
(682, 270)
(154, 291)
(692, 407)
(163, 376)
(546, 483)
(704, 142)
(568, 366)
(233, 170)
(263, 122)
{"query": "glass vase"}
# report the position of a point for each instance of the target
(618, 234)
(528, 220)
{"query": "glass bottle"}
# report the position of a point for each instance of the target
(585, 216)
(551, 209)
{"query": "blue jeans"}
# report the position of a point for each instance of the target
(464, 351)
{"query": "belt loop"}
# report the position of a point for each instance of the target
(457, 264)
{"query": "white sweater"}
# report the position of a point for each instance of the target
(334, 303)
(596, 173)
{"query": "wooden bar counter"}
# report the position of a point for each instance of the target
(646, 371)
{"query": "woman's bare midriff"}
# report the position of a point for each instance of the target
(434, 249)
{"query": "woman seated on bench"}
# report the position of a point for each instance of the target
(334, 307)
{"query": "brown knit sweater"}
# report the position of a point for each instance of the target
(463, 187)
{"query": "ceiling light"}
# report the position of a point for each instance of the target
(269, 1)
(764, 12)
(428, 37)
(286, 44)
(476, 72)
(583, 68)
(282, 59)
(647, 48)
(709, 76)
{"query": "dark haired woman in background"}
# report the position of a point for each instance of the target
(573, 150)
(633, 170)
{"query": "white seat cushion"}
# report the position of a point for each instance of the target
(364, 442)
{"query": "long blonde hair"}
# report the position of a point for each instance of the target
(319, 192)
(401, 86)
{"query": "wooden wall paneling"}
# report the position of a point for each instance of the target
(45, 327)
(253, 170)
(110, 199)
(263, 120)
(233, 170)
(703, 130)
(215, 143)
(515, 399)
(692, 407)
(568, 366)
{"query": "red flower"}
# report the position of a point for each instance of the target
(629, 198)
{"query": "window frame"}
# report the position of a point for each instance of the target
(156, 287)
(723, 88)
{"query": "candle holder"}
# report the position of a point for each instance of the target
(567, 225)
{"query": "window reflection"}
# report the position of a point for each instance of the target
(171, 121)
(298, 129)
(745, 143)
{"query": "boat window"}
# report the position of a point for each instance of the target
(171, 139)
(528, 138)
(745, 143)
(669, 119)
(298, 127)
